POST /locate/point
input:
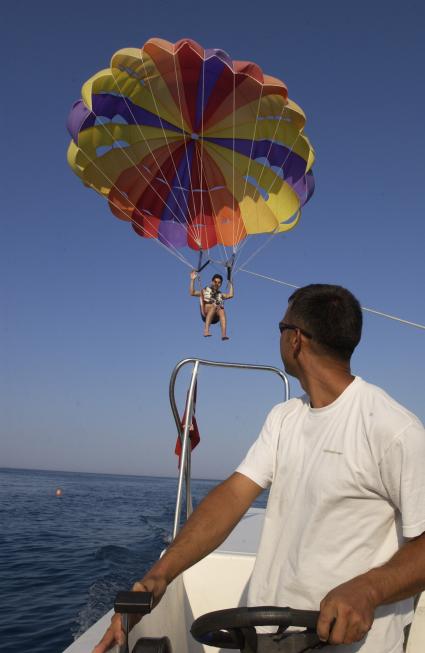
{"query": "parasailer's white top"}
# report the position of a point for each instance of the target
(347, 485)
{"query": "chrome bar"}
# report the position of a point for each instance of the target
(188, 474)
(184, 458)
(124, 620)
(185, 461)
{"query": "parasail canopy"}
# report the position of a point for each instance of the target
(192, 148)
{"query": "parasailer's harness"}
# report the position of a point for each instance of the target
(201, 265)
(229, 269)
(227, 264)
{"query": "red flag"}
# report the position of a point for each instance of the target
(193, 429)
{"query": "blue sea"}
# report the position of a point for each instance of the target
(63, 558)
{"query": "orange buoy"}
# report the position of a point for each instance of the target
(58, 492)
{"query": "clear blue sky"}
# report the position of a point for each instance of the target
(93, 318)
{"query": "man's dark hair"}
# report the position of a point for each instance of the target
(217, 276)
(331, 314)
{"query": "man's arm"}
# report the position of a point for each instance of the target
(347, 611)
(204, 531)
(230, 293)
(192, 291)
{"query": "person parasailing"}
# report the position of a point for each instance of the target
(212, 302)
(196, 161)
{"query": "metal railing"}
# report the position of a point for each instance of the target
(183, 432)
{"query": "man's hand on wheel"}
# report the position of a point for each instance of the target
(347, 612)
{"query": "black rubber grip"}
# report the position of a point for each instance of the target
(133, 602)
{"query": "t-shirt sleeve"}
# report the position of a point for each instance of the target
(403, 475)
(259, 462)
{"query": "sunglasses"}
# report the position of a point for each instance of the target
(283, 326)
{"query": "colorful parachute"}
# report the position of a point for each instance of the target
(192, 148)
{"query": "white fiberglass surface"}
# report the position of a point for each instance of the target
(219, 581)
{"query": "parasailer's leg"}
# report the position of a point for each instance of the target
(222, 316)
(210, 310)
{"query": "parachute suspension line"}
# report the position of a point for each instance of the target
(239, 233)
(263, 276)
(364, 308)
(218, 229)
(256, 192)
(203, 173)
(200, 161)
(178, 219)
(149, 148)
(216, 220)
(169, 246)
(146, 179)
(218, 267)
(189, 219)
(393, 317)
(233, 156)
(272, 142)
(258, 250)
(275, 231)
(202, 150)
(164, 133)
(286, 158)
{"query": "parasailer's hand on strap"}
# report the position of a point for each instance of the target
(230, 291)
(192, 291)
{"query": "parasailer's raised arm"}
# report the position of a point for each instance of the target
(192, 291)
(230, 291)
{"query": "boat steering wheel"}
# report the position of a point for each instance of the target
(235, 628)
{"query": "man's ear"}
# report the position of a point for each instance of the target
(296, 342)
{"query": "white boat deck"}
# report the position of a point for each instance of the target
(235, 558)
(245, 538)
(218, 581)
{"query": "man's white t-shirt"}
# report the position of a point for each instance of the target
(347, 485)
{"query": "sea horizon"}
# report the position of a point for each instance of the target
(70, 471)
